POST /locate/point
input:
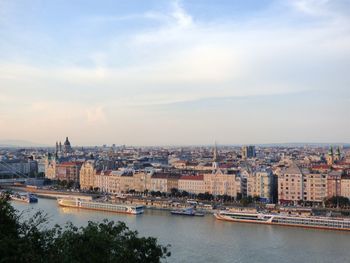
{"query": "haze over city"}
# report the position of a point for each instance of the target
(175, 72)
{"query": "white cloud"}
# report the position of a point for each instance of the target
(183, 19)
(182, 59)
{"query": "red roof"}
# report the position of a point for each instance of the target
(71, 164)
(320, 167)
(192, 177)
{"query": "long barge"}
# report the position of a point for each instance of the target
(100, 206)
(286, 220)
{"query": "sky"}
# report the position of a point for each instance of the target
(158, 72)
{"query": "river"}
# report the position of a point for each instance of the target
(205, 239)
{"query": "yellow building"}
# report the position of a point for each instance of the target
(142, 181)
(219, 183)
(50, 169)
(192, 183)
(87, 175)
(314, 187)
(345, 186)
(261, 184)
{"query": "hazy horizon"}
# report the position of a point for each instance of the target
(175, 72)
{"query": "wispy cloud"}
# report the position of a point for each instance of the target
(107, 69)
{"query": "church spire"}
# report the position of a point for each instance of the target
(215, 153)
(215, 164)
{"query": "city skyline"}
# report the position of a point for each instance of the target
(175, 72)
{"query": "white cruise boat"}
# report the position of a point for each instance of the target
(286, 220)
(101, 206)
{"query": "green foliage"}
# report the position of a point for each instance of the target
(206, 196)
(337, 201)
(32, 241)
(245, 201)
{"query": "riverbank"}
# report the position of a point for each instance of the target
(52, 194)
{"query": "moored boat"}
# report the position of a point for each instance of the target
(286, 220)
(186, 212)
(27, 198)
(102, 206)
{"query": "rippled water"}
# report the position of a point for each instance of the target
(196, 239)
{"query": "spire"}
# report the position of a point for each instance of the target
(338, 151)
(215, 164)
(215, 153)
(330, 152)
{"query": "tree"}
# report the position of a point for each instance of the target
(184, 194)
(246, 200)
(32, 241)
(174, 192)
(337, 201)
(256, 198)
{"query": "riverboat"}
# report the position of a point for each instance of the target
(286, 220)
(101, 206)
(186, 212)
(27, 198)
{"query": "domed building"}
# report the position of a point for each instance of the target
(63, 150)
(67, 148)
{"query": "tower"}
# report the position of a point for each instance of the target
(215, 164)
(337, 155)
(67, 147)
(330, 156)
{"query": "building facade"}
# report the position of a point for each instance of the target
(261, 184)
(87, 175)
(192, 183)
(219, 183)
(68, 171)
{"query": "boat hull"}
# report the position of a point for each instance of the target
(181, 214)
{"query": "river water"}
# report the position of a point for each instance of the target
(205, 239)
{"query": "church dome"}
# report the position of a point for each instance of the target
(67, 143)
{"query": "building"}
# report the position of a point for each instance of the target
(142, 181)
(64, 150)
(159, 182)
(334, 184)
(248, 152)
(333, 157)
(261, 184)
(345, 186)
(192, 183)
(68, 171)
(87, 175)
(113, 182)
(314, 187)
(296, 185)
(67, 147)
(50, 167)
(219, 183)
(102, 182)
(290, 185)
(19, 167)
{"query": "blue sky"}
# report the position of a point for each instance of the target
(175, 72)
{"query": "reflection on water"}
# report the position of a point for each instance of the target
(204, 239)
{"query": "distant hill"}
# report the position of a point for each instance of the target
(19, 143)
